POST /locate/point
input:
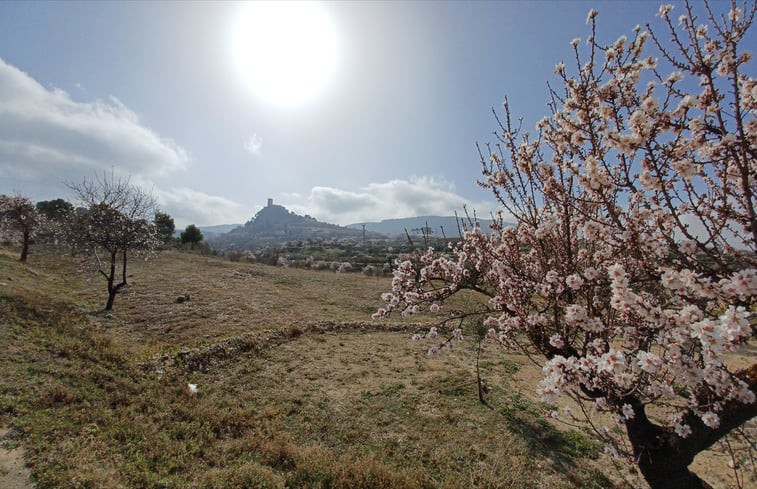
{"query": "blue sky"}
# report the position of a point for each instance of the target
(150, 90)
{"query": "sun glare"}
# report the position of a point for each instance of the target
(286, 51)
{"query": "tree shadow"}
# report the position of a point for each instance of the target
(523, 417)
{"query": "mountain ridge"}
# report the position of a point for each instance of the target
(217, 229)
(275, 224)
(449, 226)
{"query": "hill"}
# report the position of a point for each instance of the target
(274, 225)
(217, 230)
(439, 225)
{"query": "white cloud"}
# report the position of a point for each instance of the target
(189, 206)
(377, 201)
(47, 137)
(254, 145)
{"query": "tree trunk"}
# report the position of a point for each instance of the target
(112, 290)
(665, 473)
(663, 458)
(111, 299)
(123, 273)
(25, 247)
(733, 414)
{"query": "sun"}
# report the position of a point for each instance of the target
(286, 51)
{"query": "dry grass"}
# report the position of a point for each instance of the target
(379, 394)
(226, 299)
(318, 407)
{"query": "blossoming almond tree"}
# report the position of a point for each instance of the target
(630, 273)
(115, 219)
(20, 220)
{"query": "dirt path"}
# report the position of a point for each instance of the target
(13, 472)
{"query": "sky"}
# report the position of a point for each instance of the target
(380, 120)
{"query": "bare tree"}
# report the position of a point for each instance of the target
(19, 220)
(115, 221)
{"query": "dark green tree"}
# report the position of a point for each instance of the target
(164, 227)
(55, 210)
(191, 235)
(56, 215)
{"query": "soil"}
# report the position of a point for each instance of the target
(13, 471)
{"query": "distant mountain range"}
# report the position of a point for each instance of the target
(218, 229)
(438, 225)
(274, 225)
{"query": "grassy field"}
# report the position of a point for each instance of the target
(295, 387)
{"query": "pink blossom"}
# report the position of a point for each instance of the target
(574, 281)
(688, 246)
(711, 419)
(627, 411)
(616, 271)
(613, 362)
(670, 280)
(683, 430)
(734, 14)
(548, 392)
(591, 273)
(664, 10)
(551, 277)
(575, 314)
(648, 362)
